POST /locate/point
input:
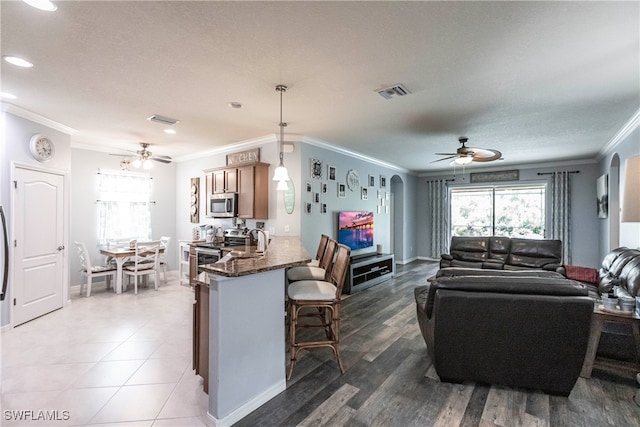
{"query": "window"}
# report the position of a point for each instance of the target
(124, 210)
(512, 211)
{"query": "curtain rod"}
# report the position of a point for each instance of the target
(446, 180)
(551, 173)
(150, 203)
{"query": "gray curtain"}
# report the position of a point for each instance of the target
(438, 207)
(561, 212)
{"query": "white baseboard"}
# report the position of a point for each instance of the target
(247, 408)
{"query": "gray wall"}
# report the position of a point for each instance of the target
(629, 233)
(316, 223)
(584, 224)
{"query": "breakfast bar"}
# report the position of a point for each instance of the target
(247, 327)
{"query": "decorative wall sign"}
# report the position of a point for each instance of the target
(512, 175)
(316, 169)
(353, 180)
(243, 157)
(194, 196)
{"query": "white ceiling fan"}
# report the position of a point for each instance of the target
(465, 155)
(143, 158)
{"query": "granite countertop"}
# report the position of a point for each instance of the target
(282, 252)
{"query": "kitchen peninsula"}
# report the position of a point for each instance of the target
(246, 334)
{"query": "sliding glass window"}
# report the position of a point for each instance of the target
(499, 210)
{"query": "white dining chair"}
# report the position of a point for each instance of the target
(164, 245)
(145, 262)
(90, 271)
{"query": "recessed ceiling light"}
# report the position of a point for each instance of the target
(17, 61)
(234, 105)
(6, 95)
(42, 4)
(170, 131)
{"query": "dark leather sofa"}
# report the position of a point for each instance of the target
(503, 253)
(507, 328)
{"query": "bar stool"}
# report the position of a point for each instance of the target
(322, 246)
(323, 298)
(321, 272)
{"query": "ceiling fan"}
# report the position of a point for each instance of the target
(143, 158)
(465, 155)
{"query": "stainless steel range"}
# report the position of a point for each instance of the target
(210, 252)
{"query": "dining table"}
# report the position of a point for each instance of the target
(120, 254)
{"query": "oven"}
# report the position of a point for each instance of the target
(206, 254)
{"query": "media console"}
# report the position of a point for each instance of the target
(367, 270)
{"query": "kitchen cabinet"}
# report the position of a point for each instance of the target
(200, 347)
(253, 191)
(225, 181)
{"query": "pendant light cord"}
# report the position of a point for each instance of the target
(281, 88)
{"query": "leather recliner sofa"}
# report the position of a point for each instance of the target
(519, 331)
(503, 253)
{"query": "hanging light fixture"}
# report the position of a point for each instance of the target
(281, 174)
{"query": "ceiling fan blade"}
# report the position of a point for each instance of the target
(446, 154)
(444, 158)
(121, 155)
(161, 159)
(485, 155)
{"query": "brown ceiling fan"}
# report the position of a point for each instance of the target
(465, 155)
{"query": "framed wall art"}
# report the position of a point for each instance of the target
(602, 194)
(316, 169)
(331, 173)
(342, 191)
(364, 193)
(383, 181)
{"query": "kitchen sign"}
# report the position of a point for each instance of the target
(243, 157)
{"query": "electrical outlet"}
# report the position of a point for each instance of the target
(286, 228)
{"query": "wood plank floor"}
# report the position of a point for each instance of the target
(390, 380)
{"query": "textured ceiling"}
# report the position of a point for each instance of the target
(539, 81)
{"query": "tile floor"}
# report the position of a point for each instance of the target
(107, 360)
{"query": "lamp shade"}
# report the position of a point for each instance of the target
(281, 174)
(631, 193)
(463, 160)
(283, 185)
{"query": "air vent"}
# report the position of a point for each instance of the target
(162, 119)
(397, 90)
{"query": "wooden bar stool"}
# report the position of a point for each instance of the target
(323, 300)
(322, 246)
(321, 272)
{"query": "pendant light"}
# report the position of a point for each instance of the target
(281, 174)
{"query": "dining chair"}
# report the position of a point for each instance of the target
(321, 272)
(322, 298)
(145, 262)
(90, 271)
(164, 245)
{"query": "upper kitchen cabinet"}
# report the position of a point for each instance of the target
(253, 191)
(225, 181)
(250, 181)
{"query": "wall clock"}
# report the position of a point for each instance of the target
(353, 180)
(42, 148)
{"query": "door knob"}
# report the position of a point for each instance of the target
(61, 247)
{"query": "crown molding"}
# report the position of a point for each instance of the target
(36, 118)
(239, 146)
(620, 136)
(354, 154)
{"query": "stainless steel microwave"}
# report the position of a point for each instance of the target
(223, 205)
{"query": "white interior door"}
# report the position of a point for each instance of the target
(38, 213)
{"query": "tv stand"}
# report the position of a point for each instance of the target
(366, 270)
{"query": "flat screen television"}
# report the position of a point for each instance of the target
(355, 229)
